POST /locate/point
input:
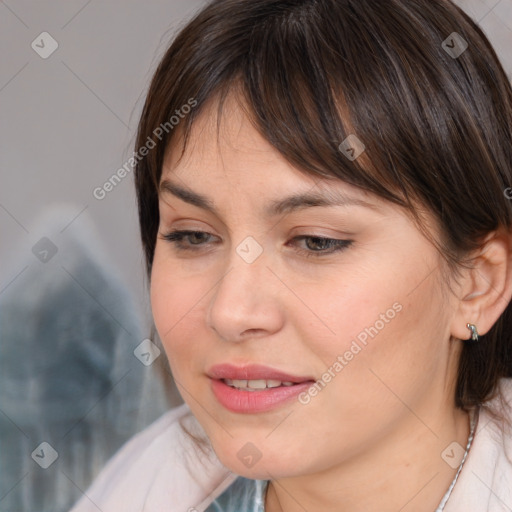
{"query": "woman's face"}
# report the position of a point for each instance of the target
(365, 317)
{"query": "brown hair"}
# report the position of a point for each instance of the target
(437, 127)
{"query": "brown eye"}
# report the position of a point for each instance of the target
(196, 239)
(321, 246)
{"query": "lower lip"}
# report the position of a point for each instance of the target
(236, 400)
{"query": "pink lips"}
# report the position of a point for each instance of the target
(242, 401)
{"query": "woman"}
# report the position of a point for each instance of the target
(323, 203)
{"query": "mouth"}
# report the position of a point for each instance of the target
(255, 388)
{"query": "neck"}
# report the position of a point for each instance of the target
(403, 471)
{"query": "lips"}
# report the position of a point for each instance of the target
(253, 372)
(255, 388)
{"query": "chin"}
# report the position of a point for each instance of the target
(249, 461)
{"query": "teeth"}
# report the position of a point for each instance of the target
(257, 384)
(253, 385)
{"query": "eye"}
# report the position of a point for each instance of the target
(194, 237)
(320, 246)
(316, 246)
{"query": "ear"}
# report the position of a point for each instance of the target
(486, 289)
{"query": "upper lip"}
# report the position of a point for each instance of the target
(253, 372)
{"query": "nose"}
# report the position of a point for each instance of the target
(246, 302)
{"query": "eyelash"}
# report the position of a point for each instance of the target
(176, 238)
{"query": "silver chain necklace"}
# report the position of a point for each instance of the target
(473, 421)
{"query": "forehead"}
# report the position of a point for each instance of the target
(226, 151)
(219, 137)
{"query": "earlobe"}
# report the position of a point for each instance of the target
(487, 287)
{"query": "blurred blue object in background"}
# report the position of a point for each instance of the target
(68, 375)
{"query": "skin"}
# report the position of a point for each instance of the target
(372, 438)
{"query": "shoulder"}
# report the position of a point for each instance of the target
(160, 468)
(485, 482)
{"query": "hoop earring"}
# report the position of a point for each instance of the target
(474, 333)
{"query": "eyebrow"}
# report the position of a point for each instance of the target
(276, 207)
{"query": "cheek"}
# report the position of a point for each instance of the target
(176, 305)
(393, 355)
(352, 310)
(386, 322)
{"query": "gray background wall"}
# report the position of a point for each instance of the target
(67, 123)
